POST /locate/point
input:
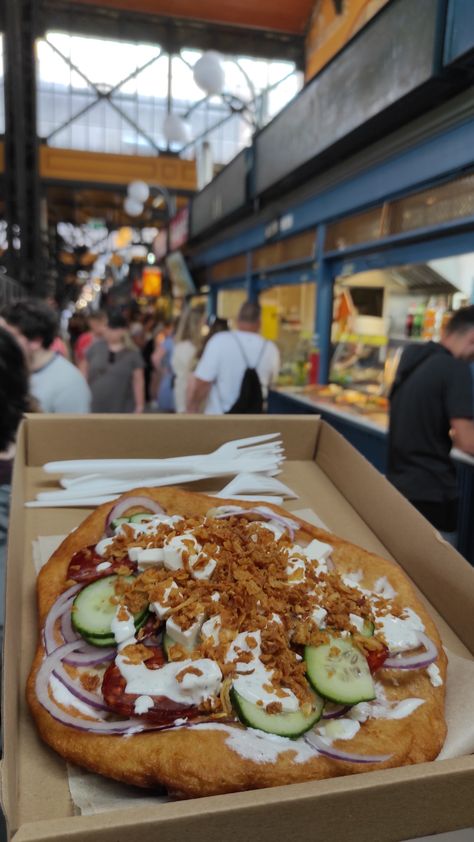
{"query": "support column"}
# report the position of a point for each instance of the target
(25, 259)
(324, 305)
(212, 301)
(251, 283)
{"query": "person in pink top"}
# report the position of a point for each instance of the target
(59, 347)
(97, 327)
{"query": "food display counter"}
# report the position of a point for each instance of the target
(366, 430)
(363, 421)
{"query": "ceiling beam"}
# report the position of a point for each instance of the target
(172, 34)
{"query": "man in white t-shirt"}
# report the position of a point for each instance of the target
(219, 373)
(56, 383)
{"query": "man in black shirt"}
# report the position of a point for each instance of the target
(431, 408)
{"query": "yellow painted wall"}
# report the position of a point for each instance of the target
(329, 32)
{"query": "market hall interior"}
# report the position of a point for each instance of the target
(164, 167)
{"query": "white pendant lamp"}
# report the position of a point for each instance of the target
(139, 191)
(132, 207)
(175, 129)
(209, 74)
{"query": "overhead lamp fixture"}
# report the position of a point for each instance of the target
(139, 191)
(175, 129)
(132, 207)
(209, 73)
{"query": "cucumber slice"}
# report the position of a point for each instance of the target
(118, 521)
(109, 640)
(99, 641)
(141, 517)
(93, 610)
(284, 724)
(338, 670)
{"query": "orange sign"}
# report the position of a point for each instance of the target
(151, 281)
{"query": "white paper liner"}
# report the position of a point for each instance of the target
(92, 793)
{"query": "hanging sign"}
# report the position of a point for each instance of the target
(160, 243)
(179, 229)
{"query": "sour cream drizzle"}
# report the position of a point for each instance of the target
(259, 746)
(192, 689)
(254, 679)
(254, 685)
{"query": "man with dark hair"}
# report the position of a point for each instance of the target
(114, 371)
(56, 384)
(431, 408)
(226, 359)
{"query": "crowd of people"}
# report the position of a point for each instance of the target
(111, 363)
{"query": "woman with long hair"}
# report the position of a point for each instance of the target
(186, 345)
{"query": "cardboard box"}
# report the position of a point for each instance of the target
(356, 503)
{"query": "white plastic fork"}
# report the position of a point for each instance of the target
(251, 460)
(103, 485)
(251, 447)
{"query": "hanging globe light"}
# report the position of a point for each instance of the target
(132, 207)
(209, 74)
(139, 191)
(175, 129)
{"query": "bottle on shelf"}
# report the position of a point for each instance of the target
(429, 319)
(409, 320)
(418, 321)
(301, 364)
(314, 361)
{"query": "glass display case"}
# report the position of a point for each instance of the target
(358, 362)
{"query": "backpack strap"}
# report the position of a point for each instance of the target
(242, 351)
(247, 364)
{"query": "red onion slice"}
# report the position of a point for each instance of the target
(93, 699)
(89, 656)
(127, 503)
(267, 514)
(67, 630)
(334, 711)
(413, 662)
(58, 608)
(334, 753)
(96, 726)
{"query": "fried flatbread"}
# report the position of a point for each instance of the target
(220, 755)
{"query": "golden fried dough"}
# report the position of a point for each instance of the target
(225, 756)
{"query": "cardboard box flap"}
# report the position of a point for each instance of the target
(361, 808)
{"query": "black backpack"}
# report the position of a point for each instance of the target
(250, 399)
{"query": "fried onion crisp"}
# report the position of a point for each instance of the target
(258, 591)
